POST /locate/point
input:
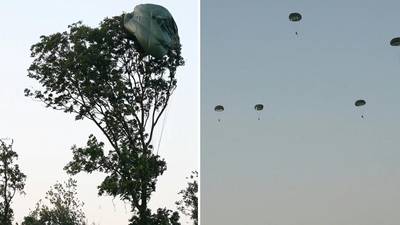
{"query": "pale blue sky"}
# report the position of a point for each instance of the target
(43, 137)
(311, 159)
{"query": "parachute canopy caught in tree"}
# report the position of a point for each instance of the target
(395, 41)
(259, 107)
(154, 28)
(219, 108)
(359, 103)
(295, 17)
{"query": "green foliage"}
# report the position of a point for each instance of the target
(162, 217)
(165, 217)
(98, 74)
(12, 181)
(64, 209)
(189, 203)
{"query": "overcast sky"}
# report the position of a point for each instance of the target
(43, 137)
(311, 159)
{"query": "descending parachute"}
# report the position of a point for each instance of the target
(360, 103)
(295, 17)
(154, 28)
(258, 108)
(395, 41)
(219, 108)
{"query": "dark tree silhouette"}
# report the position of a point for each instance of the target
(12, 181)
(98, 74)
(64, 209)
(165, 217)
(189, 203)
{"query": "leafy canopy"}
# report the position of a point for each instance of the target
(64, 208)
(188, 205)
(12, 181)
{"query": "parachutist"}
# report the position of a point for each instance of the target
(259, 108)
(295, 17)
(360, 103)
(219, 109)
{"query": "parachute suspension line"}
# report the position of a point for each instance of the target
(294, 30)
(162, 129)
(363, 116)
(112, 200)
(295, 18)
(219, 109)
(258, 115)
(258, 108)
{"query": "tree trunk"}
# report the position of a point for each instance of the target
(5, 197)
(143, 206)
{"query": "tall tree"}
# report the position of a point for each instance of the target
(188, 205)
(98, 74)
(64, 208)
(12, 181)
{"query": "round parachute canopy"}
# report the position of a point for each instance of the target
(395, 41)
(154, 28)
(259, 107)
(219, 108)
(359, 103)
(295, 17)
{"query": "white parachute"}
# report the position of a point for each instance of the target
(154, 28)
